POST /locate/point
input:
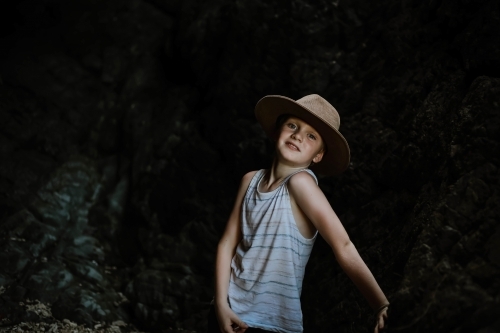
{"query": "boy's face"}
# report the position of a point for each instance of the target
(298, 144)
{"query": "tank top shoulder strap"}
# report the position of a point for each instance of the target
(254, 181)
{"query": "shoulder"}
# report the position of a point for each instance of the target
(303, 187)
(302, 179)
(244, 184)
(311, 200)
(248, 176)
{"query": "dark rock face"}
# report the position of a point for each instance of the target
(125, 128)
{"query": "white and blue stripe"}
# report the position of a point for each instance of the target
(268, 267)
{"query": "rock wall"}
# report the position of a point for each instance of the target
(126, 127)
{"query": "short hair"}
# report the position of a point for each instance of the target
(281, 120)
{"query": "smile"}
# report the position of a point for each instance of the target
(292, 146)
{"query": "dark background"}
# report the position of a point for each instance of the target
(125, 128)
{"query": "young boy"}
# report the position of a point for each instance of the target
(276, 217)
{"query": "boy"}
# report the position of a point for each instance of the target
(277, 215)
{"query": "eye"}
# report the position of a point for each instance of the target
(291, 125)
(312, 136)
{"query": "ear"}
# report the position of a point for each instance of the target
(319, 156)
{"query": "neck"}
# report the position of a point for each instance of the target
(278, 172)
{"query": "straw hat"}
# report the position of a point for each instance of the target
(317, 112)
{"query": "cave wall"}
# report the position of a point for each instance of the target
(125, 127)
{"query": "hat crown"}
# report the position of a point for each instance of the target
(321, 108)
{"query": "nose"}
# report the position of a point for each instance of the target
(296, 136)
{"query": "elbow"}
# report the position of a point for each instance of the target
(226, 245)
(344, 252)
(342, 246)
(223, 243)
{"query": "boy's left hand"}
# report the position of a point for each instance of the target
(381, 321)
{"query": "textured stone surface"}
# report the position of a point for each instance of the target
(125, 127)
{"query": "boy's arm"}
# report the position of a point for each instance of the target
(314, 204)
(225, 252)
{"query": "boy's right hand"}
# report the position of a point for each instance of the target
(228, 320)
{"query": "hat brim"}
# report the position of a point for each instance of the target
(335, 161)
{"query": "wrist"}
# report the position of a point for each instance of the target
(382, 307)
(221, 301)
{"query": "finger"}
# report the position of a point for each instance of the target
(230, 327)
(238, 322)
(381, 322)
(239, 329)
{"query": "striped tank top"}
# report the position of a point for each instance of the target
(269, 264)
